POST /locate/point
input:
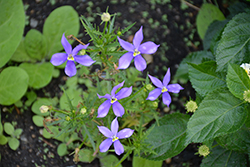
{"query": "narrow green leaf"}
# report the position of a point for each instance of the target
(195, 58)
(12, 24)
(35, 44)
(234, 42)
(207, 14)
(219, 113)
(204, 79)
(71, 97)
(167, 139)
(221, 157)
(237, 80)
(141, 162)
(13, 85)
(13, 143)
(40, 74)
(61, 20)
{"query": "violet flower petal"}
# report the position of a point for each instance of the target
(140, 63)
(118, 147)
(124, 92)
(107, 96)
(166, 98)
(70, 68)
(84, 60)
(174, 88)
(148, 47)
(104, 109)
(115, 88)
(138, 38)
(105, 131)
(154, 94)
(66, 44)
(78, 48)
(118, 109)
(104, 146)
(125, 133)
(166, 78)
(156, 81)
(114, 126)
(58, 58)
(126, 45)
(125, 60)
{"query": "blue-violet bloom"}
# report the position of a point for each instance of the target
(71, 56)
(113, 100)
(135, 50)
(113, 136)
(163, 88)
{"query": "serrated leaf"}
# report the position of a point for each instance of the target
(3, 140)
(167, 139)
(13, 85)
(61, 20)
(234, 42)
(40, 74)
(141, 162)
(13, 143)
(35, 44)
(204, 77)
(219, 113)
(38, 120)
(195, 58)
(37, 104)
(221, 157)
(238, 141)
(86, 155)
(237, 80)
(207, 14)
(62, 149)
(11, 28)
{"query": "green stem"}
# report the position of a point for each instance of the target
(123, 158)
(60, 111)
(135, 94)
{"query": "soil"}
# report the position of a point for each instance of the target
(177, 36)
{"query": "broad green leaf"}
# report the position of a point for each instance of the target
(86, 155)
(237, 80)
(13, 85)
(195, 58)
(220, 157)
(62, 20)
(238, 141)
(141, 162)
(74, 96)
(21, 55)
(8, 128)
(11, 28)
(234, 42)
(35, 44)
(31, 97)
(38, 120)
(13, 143)
(18, 132)
(109, 161)
(62, 149)
(37, 104)
(167, 139)
(204, 77)
(3, 140)
(207, 14)
(40, 74)
(236, 8)
(219, 113)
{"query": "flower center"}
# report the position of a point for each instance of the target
(136, 52)
(114, 138)
(164, 89)
(113, 99)
(70, 57)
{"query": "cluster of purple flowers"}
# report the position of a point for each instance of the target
(134, 52)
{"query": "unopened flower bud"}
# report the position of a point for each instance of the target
(149, 87)
(119, 33)
(83, 110)
(246, 95)
(155, 104)
(191, 106)
(105, 17)
(82, 52)
(44, 109)
(67, 118)
(203, 150)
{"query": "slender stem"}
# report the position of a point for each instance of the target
(78, 40)
(123, 158)
(60, 111)
(190, 5)
(131, 97)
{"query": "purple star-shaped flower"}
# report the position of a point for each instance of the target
(70, 55)
(113, 100)
(135, 50)
(163, 88)
(113, 137)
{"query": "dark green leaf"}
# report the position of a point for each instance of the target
(141, 162)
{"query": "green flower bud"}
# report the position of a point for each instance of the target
(105, 17)
(83, 110)
(67, 118)
(246, 95)
(119, 33)
(203, 150)
(82, 52)
(44, 109)
(155, 104)
(191, 106)
(149, 87)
